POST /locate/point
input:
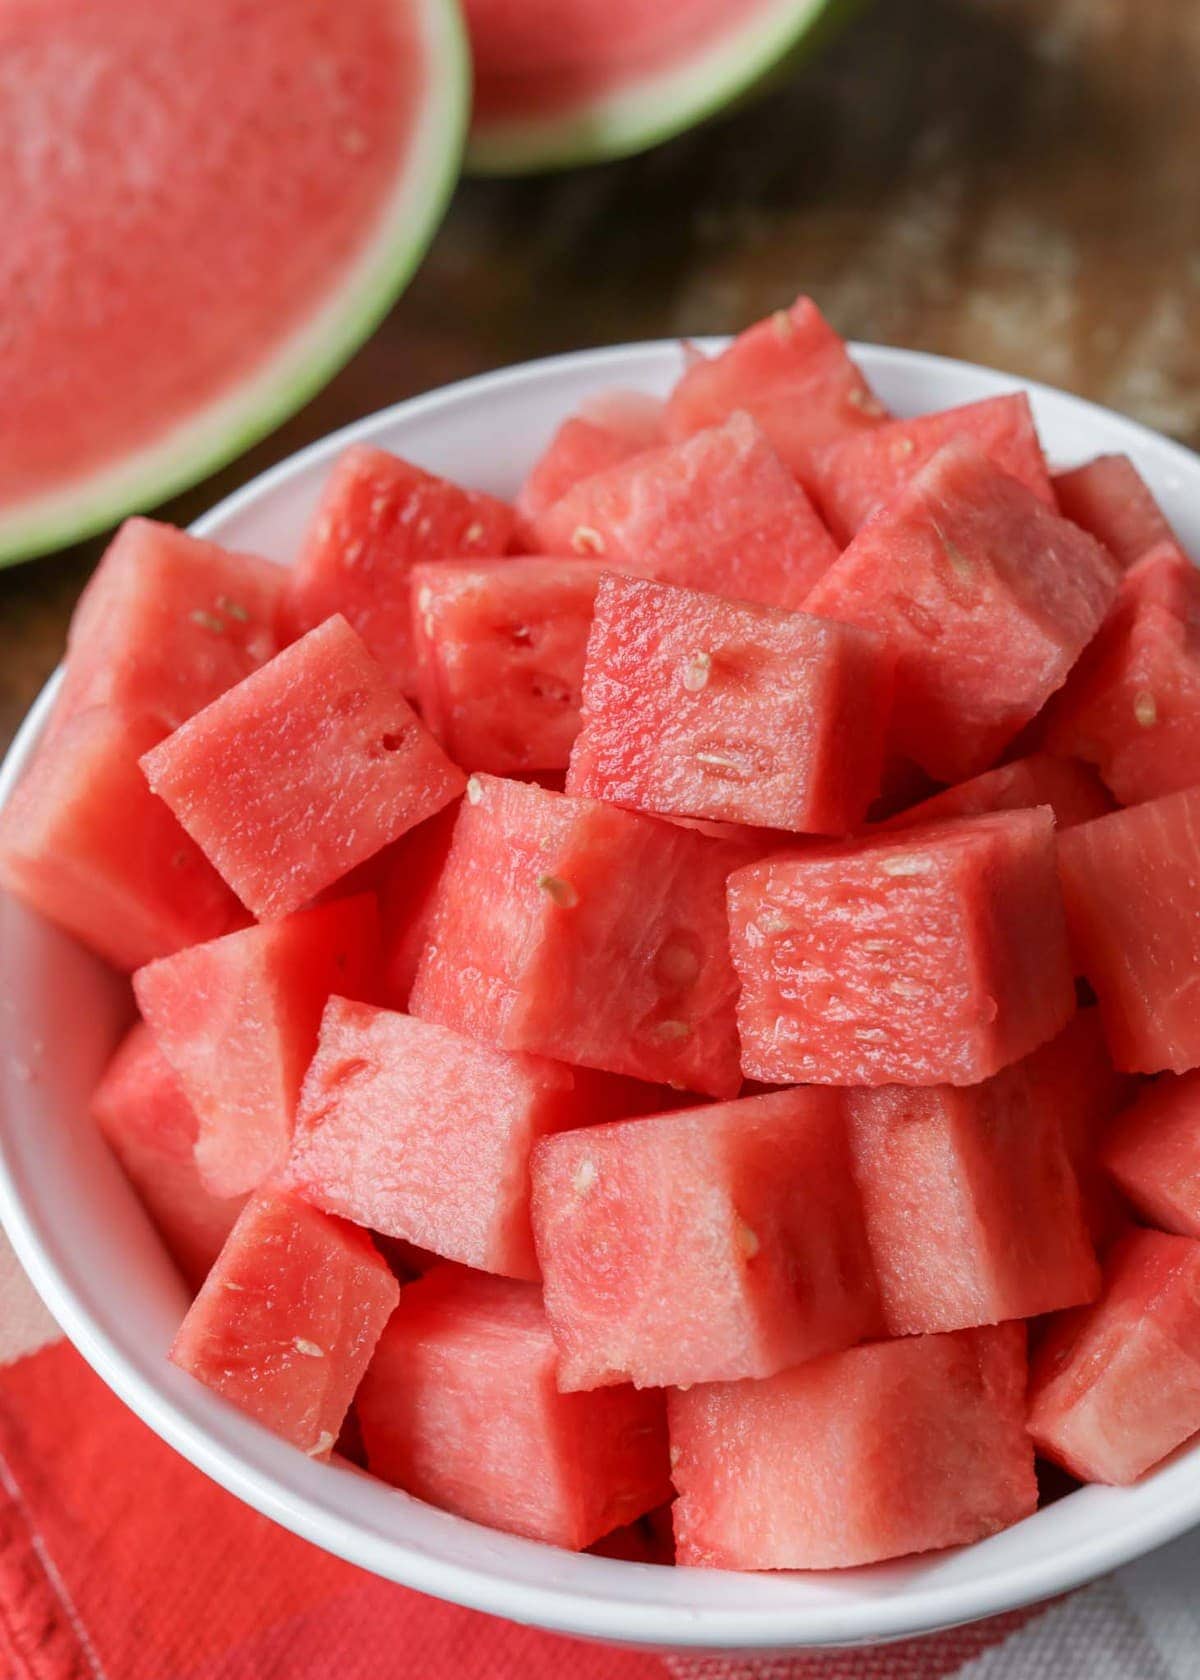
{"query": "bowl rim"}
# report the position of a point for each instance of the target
(549, 1604)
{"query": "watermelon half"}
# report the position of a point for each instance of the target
(209, 206)
(564, 82)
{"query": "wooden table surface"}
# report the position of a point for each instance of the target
(1012, 181)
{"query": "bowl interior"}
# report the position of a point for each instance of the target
(81, 1234)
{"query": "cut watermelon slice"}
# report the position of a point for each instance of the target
(718, 512)
(1072, 790)
(152, 333)
(883, 1450)
(460, 1407)
(1111, 499)
(614, 426)
(1153, 1152)
(288, 1319)
(702, 1246)
(583, 80)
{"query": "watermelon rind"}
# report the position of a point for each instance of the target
(303, 363)
(647, 111)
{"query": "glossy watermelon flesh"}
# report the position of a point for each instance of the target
(704, 1245)
(793, 375)
(422, 1134)
(499, 656)
(1153, 1152)
(718, 512)
(288, 1319)
(1109, 498)
(1132, 704)
(307, 768)
(151, 1127)
(936, 956)
(863, 473)
(875, 1452)
(377, 517)
(460, 1408)
(972, 1207)
(1072, 790)
(729, 711)
(575, 930)
(85, 843)
(237, 1020)
(608, 430)
(1115, 1387)
(412, 870)
(1131, 886)
(986, 597)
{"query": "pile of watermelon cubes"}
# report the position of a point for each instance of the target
(669, 1013)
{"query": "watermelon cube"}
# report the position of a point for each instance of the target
(1132, 704)
(986, 1169)
(287, 1320)
(167, 623)
(305, 769)
(460, 1407)
(1109, 498)
(1131, 886)
(793, 374)
(418, 1133)
(611, 428)
(1153, 1152)
(575, 930)
(237, 1019)
(987, 598)
(737, 1226)
(719, 512)
(1115, 1386)
(729, 711)
(871, 1453)
(412, 869)
(151, 1128)
(866, 471)
(500, 650)
(377, 517)
(928, 958)
(1072, 790)
(85, 843)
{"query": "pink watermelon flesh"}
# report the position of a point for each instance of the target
(460, 1408)
(408, 1128)
(702, 707)
(308, 767)
(1132, 704)
(377, 518)
(986, 597)
(1131, 886)
(702, 1246)
(872, 1453)
(982, 1175)
(237, 1020)
(171, 157)
(574, 930)
(1109, 498)
(151, 1127)
(614, 426)
(85, 843)
(1153, 1152)
(862, 474)
(1115, 1387)
(167, 623)
(288, 1318)
(928, 958)
(718, 512)
(406, 898)
(499, 653)
(1072, 790)
(792, 373)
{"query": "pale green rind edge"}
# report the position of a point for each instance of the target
(644, 115)
(83, 512)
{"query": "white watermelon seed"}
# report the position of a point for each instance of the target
(782, 322)
(583, 1177)
(473, 533)
(321, 1445)
(1145, 709)
(313, 1350)
(585, 540)
(562, 892)
(474, 790)
(747, 1240)
(906, 863)
(673, 1457)
(696, 670)
(672, 1031)
(865, 401)
(208, 621)
(233, 608)
(902, 448)
(677, 964)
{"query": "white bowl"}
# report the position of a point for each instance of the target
(86, 1244)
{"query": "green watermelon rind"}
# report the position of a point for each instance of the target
(310, 357)
(665, 104)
